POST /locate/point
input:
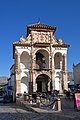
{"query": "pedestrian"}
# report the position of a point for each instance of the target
(74, 100)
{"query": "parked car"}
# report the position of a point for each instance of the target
(8, 99)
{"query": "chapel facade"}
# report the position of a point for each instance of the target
(40, 61)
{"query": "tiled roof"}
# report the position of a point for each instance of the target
(40, 25)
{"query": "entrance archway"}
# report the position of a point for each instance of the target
(43, 83)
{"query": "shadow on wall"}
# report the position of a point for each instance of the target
(24, 85)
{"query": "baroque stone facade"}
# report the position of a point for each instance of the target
(40, 61)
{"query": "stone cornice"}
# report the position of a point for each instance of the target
(63, 45)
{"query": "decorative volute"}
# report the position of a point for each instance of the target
(54, 40)
(25, 40)
(22, 39)
(60, 41)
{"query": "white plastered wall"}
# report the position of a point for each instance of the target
(58, 72)
(24, 74)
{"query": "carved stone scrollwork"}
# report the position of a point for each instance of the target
(54, 41)
(16, 61)
(60, 41)
(22, 39)
(25, 40)
(41, 37)
(29, 37)
(17, 71)
(37, 73)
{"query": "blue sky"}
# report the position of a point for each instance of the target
(16, 14)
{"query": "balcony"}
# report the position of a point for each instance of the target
(41, 68)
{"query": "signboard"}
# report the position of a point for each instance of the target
(77, 99)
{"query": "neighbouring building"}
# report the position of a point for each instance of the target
(70, 76)
(40, 61)
(3, 85)
(11, 83)
(5, 90)
(76, 73)
(71, 84)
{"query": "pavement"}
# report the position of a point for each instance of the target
(22, 110)
(66, 106)
(67, 110)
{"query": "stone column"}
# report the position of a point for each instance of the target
(34, 61)
(49, 85)
(31, 83)
(18, 87)
(34, 84)
(17, 63)
(52, 63)
(64, 72)
(53, 73)
(31, 74)
(17, 71)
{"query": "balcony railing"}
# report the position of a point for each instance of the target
(45, 69)
(40, 68)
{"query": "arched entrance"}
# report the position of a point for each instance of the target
(43, 83)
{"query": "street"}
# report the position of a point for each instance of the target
(11, 111)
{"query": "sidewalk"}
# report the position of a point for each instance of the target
(67, 113)
(66, 105)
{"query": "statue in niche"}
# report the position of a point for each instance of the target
(40, 60)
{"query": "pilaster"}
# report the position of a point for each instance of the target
(17, 73)
(64, 72)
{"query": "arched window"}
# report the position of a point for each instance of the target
(58, 60)
(25, 60)
(42, 59)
